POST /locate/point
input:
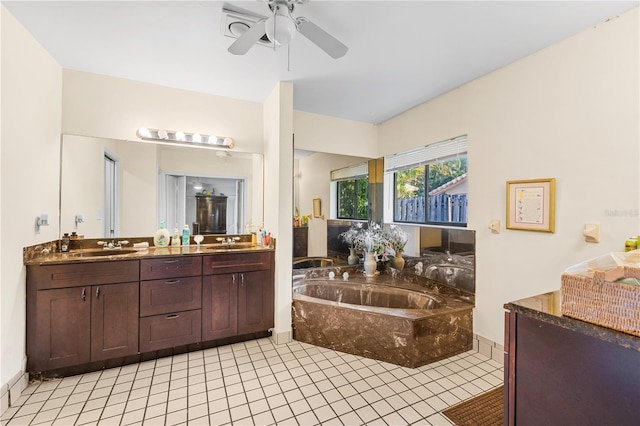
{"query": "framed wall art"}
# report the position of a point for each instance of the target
(531, 204)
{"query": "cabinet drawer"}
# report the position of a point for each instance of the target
(170, 295)
(82, 274)
(167, 331)
(170, 267)
(236, 262)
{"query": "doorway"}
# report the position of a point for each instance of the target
(180, 204)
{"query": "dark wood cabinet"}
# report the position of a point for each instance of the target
(237, 303)
(61, 334)
(83, 316)
(219, 306)
(561, 371)
(255, 302)
(170, 300)
(92, 319)
(114, 320)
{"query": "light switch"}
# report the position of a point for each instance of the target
(591, 232)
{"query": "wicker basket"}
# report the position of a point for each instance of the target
(610, 304)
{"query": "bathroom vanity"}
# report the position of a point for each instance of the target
(85, 313)
(562, 371)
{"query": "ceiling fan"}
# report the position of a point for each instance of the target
(281, 27)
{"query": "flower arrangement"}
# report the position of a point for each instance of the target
(372, 239)
(349, 236)
(397, 238)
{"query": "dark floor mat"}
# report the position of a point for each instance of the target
(486, 409)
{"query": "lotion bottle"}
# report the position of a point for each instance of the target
(175, 239)
(161, 237)
(186, 235)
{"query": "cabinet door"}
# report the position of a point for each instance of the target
(255, 301)
(219, 306)
(62, 328)
(114, 321)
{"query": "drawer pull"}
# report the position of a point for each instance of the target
(172, 261)
(84, 294)
(172, 316)
(241, 280)
(98, 292)
(172, 282)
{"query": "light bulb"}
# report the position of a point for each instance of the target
(213, 139)
(180, 136)
(229, 142)
(196, 137)
(143, 132)
(162, 134)
(280, 28)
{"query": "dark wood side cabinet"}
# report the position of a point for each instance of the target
(562, 371)
(78, 313)
(237, 294)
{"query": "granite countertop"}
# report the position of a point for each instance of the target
(128, 253)
(546, 307)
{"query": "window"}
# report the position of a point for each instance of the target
(350, 186)
(353, 198)
(430, 184)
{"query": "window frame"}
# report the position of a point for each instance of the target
(454, 148)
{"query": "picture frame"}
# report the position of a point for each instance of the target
(531, 205)
(317, 207)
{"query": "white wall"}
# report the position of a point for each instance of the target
(315, 132)
(314, 181)
(30, 102)
(278, 196)
(109, 107)
(570, 111)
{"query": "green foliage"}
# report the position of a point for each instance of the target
(410, 183)
(353, 198)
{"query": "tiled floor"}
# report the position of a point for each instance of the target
(258, 383)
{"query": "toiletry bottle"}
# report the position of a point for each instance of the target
(186, 234)
(64, 243)
(161, 237)
(175, 239)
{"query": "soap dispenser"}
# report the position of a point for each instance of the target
(175, 239)
(161, 237)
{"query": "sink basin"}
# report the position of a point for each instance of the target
(104, 253)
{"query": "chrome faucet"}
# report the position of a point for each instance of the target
(229, 241)
(113, 244)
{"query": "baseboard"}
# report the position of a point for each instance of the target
(11, 391)
(281, 338)
(488, 348)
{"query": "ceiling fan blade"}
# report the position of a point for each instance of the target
(248, 39)
(325, 41)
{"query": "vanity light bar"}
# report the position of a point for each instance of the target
(183, 137)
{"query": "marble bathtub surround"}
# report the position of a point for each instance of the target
(409, 336)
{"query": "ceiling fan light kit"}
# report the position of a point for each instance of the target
(281, 27)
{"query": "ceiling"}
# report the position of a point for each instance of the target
(401, 53)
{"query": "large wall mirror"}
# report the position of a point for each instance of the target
(115, 188)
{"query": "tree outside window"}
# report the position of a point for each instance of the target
(353, 198)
